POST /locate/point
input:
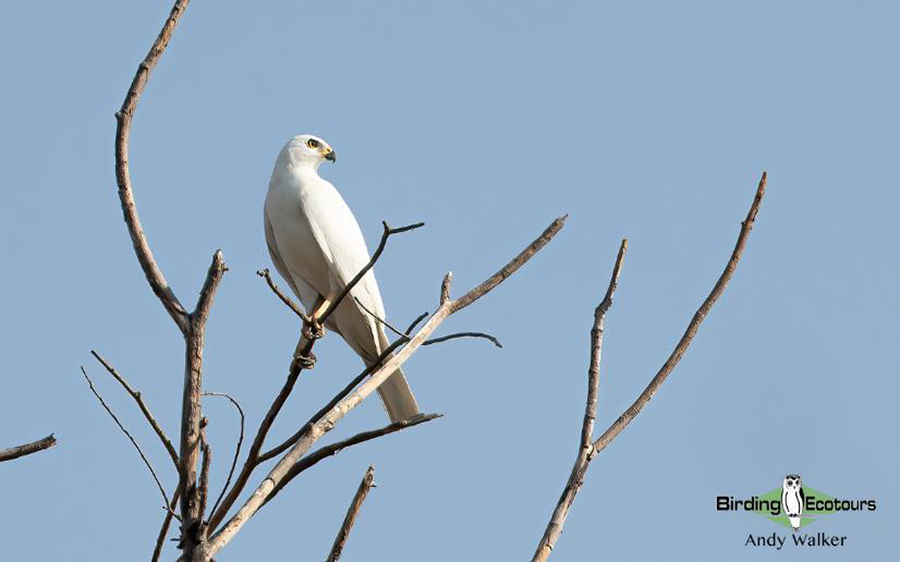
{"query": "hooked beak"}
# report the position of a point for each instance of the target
(331, 155)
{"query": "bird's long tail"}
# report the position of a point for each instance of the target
(397, 397)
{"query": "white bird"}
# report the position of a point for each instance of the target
(317, 247)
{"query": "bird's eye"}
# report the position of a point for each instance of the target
(312, 143)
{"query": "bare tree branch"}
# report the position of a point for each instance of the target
(589, 450)
(192, 414)
(324, 425)
(693, 326)
(585, 447)
(284, 298)
(505, 271)
(335, 448)
(237, 449)
(367, 483)
(27, 448)
(143, 407)
(164, 530)
(123, 176)
(127, 434)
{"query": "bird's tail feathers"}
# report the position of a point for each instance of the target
(397, 397)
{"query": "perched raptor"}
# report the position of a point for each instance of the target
(317, 246)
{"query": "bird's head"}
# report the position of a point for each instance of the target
(309, 150)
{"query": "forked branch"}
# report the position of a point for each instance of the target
(589, 449)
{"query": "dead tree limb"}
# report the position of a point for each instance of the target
(330, 450)
(192, 325)
(447, 307)
(588, 450)
(27, 448)
(367, 483)
(585, 446)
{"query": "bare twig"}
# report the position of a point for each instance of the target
(380, 320)
(335, 448)
(456, 335)
(583, 458)
(143, 407)
(204, 467)
(284, 298)
(367, 483)
(388, 232)
(415, 323)
(123, 176)
(405, 336)
(237, 449)
(27, 448)
(163, 531)
(589, 449)
(328, 421)
(127, 434)
(192, 414)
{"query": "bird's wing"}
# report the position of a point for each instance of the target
(338, 235)
(276, 256)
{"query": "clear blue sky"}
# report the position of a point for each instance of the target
(645, 120)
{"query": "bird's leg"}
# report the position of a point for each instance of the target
(315, 330)
(307, 361)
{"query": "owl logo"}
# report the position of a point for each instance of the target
(792, 499)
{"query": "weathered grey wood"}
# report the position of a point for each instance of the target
(27, 448)
(338, 548)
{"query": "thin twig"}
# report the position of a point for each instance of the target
(284, 298)
(330, 450)
(380, 320)
(388, 232)
(456, 335)
(405, 336)
(367, 483)
(27, 448)
(415, 323)
(130, 438)
(237, 450)
(143, 407)
(163, 531)
(327, 422)
(584, 456)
